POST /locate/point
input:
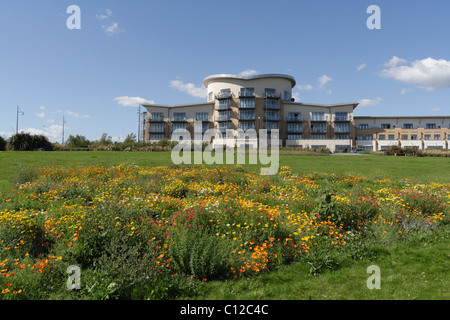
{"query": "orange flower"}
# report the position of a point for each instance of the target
(8, 285)
(70, 244)
(5, 291)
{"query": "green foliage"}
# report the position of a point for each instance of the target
(77, 141)
(2, 144)
(27, 142)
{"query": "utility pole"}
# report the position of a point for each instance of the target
(64, 122)
(17, 119)
(139, 124)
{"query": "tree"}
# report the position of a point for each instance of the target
(23, 141)
(77, 142)
(105, 139)
(2, 144)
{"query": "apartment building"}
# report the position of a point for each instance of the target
(265, 102)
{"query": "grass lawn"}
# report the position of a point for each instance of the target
(424, 169)
(414, 267)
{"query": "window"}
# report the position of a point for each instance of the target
(157, 117)
(341, 116)
(404, 137)
(201, 116)
(294, 127)
(317, 136)
(359, 137)
(414, 137)
(223, 126)
(437, 137)
(407, 126)
(271, 125)
(381, 137)
(427, 137)
(224, 115)
(157, 127)
(287, 95)
(247, 92)
(177, 126)
(269, 92)
(247, 115)
(247, 104)
(247, 125)
(201, 127)
(318, 116)
(271, 103)
(179, 116)
(369, 137)
(294, 116)
(391, 137)
(224, 104)
(319, 128)
(363, 126)
(210, 96)
(342, 147)
(156, 136)
(271, 115)
(294, 136)
(342, 136)
(430, 126)
(385, 126)
(341, 127)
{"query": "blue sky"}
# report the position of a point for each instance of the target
(128, 52)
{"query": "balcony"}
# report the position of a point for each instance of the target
(156, 130)
(341, 119)
(247, 94)
(224, 95)
(223, 118)
(294, 119)
(178, 119)
(318, 130)
(272, 95)
(246, 118)
(270, 106)
(272, 118)
(157, 119)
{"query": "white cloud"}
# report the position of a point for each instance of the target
(405, 91)
(40, 115)
(106, 15)
(42, 108)
(306, 87)
(323, 80)
(435, 109)
(370, 102)
(126, 101)
(360, 67)
(53, 133)
(429, 74)
(112, 29)
(395, 61)
(73, 114)
(189, 88)
(247, 73)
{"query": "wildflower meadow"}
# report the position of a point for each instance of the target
(139, 232)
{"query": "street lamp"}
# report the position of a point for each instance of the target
(64, 122)
(17, 119)
(139, 123)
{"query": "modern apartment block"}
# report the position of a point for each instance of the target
(265, 102)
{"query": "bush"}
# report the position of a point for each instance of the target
(26, 142)
(2, 144)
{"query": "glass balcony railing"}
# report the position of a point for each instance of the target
(294, 119)
(178, 119)
(224, 95)
(272, 118)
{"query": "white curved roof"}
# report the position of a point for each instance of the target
(259, 76)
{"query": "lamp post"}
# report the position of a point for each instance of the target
(139, 124)
(64, 122)
(17, 119)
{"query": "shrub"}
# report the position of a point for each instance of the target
(2, 144)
